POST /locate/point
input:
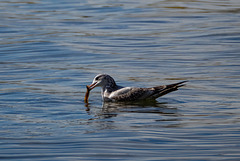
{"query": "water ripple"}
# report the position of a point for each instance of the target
(50, 50)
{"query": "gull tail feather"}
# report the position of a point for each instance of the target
(163, 90)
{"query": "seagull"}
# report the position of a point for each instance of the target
(111, 92)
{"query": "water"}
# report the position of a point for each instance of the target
(49, 51)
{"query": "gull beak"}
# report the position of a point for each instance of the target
(93, 85)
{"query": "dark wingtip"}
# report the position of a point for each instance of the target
(177, 85)
(180, 84)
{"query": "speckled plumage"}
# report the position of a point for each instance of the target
(112, 92)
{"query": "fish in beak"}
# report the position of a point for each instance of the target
(93, 85)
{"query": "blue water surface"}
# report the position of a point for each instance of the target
(50, 50)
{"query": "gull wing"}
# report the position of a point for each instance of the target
(133, 94)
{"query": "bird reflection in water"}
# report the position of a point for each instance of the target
(112, 109)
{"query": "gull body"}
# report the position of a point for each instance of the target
(111, 92)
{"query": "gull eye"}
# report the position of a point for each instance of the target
(97, 78)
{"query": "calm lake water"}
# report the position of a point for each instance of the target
(50, 50)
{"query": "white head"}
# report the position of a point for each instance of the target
(102, 80)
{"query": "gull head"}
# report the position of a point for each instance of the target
(102, 80)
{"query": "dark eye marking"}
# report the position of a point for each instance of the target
(97, 78)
